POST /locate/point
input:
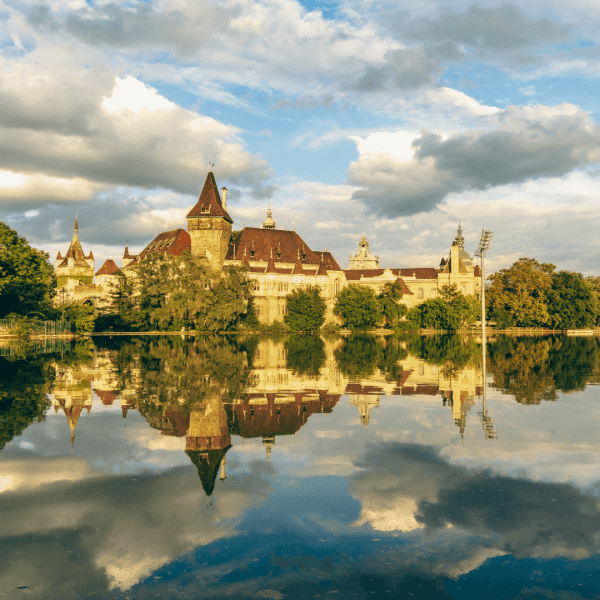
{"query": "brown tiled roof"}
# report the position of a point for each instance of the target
(171, 243)
(298, 270)
(286, 243)
(419, 272)
(477, 271)
(405, 290)
(107, 397)
(356, 274)
(209, 203)
(77, 263)
(322, 270)
(328, 260)
(90, 255)
(109, 268)
(75, 250)
(271, 266)
(58, 256)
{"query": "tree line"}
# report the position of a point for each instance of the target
(171, 293)
(533, 294)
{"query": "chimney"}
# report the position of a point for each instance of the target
(224, 197)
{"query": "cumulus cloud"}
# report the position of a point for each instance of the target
(180, 26)
(520, 144)
(119, 527)
(485, 30)
(123, 133)
(403, 485)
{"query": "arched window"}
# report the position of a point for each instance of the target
(337, 287)
(420, 294)
(433, 292)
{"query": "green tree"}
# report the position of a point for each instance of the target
(81, 317)
(451, 310)
(27, 281)
(171, 292)
(358, 307)
(305, 310)
(389, 304)
(571, 301)
(522, 292)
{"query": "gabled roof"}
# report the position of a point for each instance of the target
(109, 268)
(209, 203)
(171, 243)
(285, 243)
(298, 270)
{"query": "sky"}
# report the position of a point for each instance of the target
(393, 120)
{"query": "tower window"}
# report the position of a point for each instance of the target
(252, 253)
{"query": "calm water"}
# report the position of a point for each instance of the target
(301, 468)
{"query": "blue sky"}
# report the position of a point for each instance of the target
(395, 121)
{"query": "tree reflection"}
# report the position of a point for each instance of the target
(305, 354)
(535, 369)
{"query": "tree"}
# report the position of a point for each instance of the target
(305, 354)
(358, 307)
(27, 281)
(451, 310)
(522, 292)
(81, 317)
(305, 310)
(389, 304)
(171, 292)
(571, 301)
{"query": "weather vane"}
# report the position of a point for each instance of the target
(210, 166)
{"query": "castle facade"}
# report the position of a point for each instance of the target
(277, 260)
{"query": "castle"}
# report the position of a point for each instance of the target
(277, 260)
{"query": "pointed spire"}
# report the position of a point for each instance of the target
(223, 476)
(126, 253)
(58, 256)
(460, 240)
(76, 228)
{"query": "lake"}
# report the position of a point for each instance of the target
(301, 467)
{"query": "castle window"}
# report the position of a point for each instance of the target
(252, 253)
(256, 285)
(286, 286)
(303, 256)
(278, 255)
(434, 293)
(337, 287)
(420, 293)
(204, 210)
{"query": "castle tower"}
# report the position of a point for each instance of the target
(269, 223)
(210, 226)
(75, 265)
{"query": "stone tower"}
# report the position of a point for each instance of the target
(75, 266)
(210, 226)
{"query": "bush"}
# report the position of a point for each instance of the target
(331, 327)
(81, 316)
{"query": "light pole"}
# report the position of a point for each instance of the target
(487, 423)
(484, 244)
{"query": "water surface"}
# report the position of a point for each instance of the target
(301, 467)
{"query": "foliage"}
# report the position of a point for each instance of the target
(276, 327)
(305, 309)
(359, 355)
(331, 327)
(81, 317)
(450, 311)
(169, 293)
(358, 307)
(24, 389)
(389, 304)
(571, 301)
(305, 354)
(250, 319)
(27, 279)
(521, 291)
(450, 350)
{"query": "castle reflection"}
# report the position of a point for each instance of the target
(208, 391)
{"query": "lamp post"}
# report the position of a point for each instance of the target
(487, 423)
(484, 244)
(63, 292)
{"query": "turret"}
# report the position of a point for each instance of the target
(210, 226)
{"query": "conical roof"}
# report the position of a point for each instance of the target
(209, 204)
(207, 462)
(75, 250)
